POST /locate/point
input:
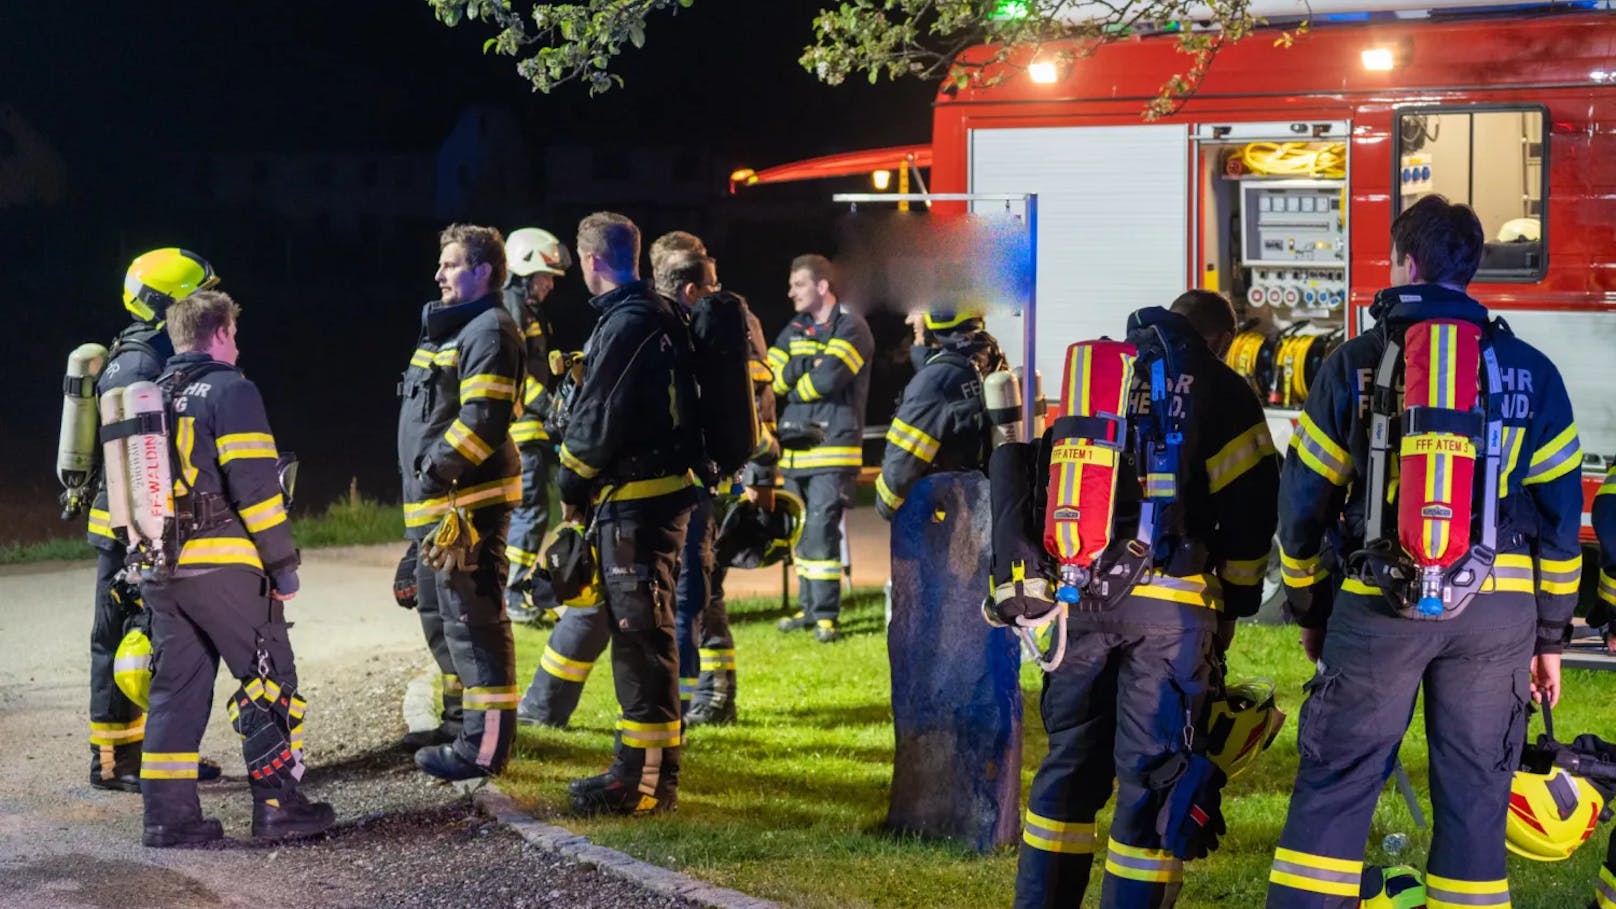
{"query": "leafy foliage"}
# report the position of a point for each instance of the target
(558, 43)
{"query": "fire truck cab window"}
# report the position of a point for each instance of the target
(1493, 160)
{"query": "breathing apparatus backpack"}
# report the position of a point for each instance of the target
(1432, 558)
(723, 366)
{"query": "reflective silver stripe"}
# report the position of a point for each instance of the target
(1433, 893)
(1317, 874)
(1141, 864)
(1083, 837)
(131, 664)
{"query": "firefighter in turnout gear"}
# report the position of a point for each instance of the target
(821, 371)
(224, 594)
(461, 480)
(631, 441)
(154, 281)
(1479, 649)
(536, 258)
(941, 423)
(1136, 674)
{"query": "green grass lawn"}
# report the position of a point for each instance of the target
(788, 804)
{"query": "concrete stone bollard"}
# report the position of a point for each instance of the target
(956, 697)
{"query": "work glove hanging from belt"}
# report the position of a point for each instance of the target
(452, 545)
(405, 587)
(1191, 816)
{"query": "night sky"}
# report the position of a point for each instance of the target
(147, 105)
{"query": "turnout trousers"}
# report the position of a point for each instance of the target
(197, 621)
(578, 639)
(117, 725)
(818, 556)
(530, 520)
(640, 543)
(1118, 705)
(715, 646)
(1475, 672)
(1605, 887)
(694, 592)
(463, 617)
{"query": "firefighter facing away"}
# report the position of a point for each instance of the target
(1479, 639)
(461, 479)
(821, 371)
(224, 598)
(1139, 663)
(536, 259)
(154, 281)
(630, 444)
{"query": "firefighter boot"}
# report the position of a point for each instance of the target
(826, 631)
(198, 832)
(516, 606)
(426, 738)
(442, 762)
(798, 622)
(288, 815)
(115, 768)
(606, 794)
(713, 712)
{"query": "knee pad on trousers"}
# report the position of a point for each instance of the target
(268, 715)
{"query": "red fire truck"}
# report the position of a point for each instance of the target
(1276, 182)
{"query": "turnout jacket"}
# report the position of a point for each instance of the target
(763, 469)
(1221, 527)
(533, 398)
(821, 369)
(1604, 518)
(225, 472)
(454, 417)
(138, 354)
(1540, 485)
(941, 422)
(632, 431)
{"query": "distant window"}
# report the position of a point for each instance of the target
(609, 164)
(1494, 160)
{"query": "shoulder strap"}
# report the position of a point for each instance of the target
(129, 339)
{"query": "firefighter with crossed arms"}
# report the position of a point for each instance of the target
(1479, 668)
(462, 477)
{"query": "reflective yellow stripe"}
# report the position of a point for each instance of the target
(452, 686)
(519, 556)
(805, 388)
(242, 445)
(563, 668)
(1558, 457)
(1150, 865)
(118, 733)
(528, 429)
(1607, 588)
(889, 498)
(101, 524)
(1605, 889)
(1319, 452)
(571, 462)
(425, 357)
(1050, 835)
(777, 358)
(805, 347)
(1245, 571)
(1315, 873)
(177, 765)
(1449, 893)
(491, 386)
(491, 697)
(1559, 576)
(1304, 572)
(497, 492)
(913, 440)
(823, 456)
(1512, 573)
(184, 444)
(1242, 453)
(819, 569)
(645, 489)
(471, 447)
(264, 515)
(1195, 590)
(650, 735)
(716, 660)
(845, 351)
(219, 551)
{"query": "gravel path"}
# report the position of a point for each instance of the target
(401, 840)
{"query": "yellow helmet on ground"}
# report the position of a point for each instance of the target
(1241, 724)
(157, 278)
(1391, 887)
(1550, 814)
(132, 668)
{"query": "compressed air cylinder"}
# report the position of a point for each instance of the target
(75, 448)
(1086, 440)
(1040, 404)
(112, 454)
(151, 489)
(1001, 392)
(1437, 458)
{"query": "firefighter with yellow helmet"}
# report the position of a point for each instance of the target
(535, 259)
(154, 281)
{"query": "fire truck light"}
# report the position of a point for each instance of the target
(1042, 72)
(882, 179)
(1379, 59)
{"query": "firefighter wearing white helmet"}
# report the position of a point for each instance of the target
(154, 281)
(535, 259)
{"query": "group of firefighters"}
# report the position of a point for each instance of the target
(490, 411)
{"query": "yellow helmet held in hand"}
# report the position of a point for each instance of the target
(1391, 887)
(157, 278)
(1241, 724)
(132, 668)
(1550, 814)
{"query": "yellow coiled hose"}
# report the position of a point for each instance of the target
(1294, 159)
